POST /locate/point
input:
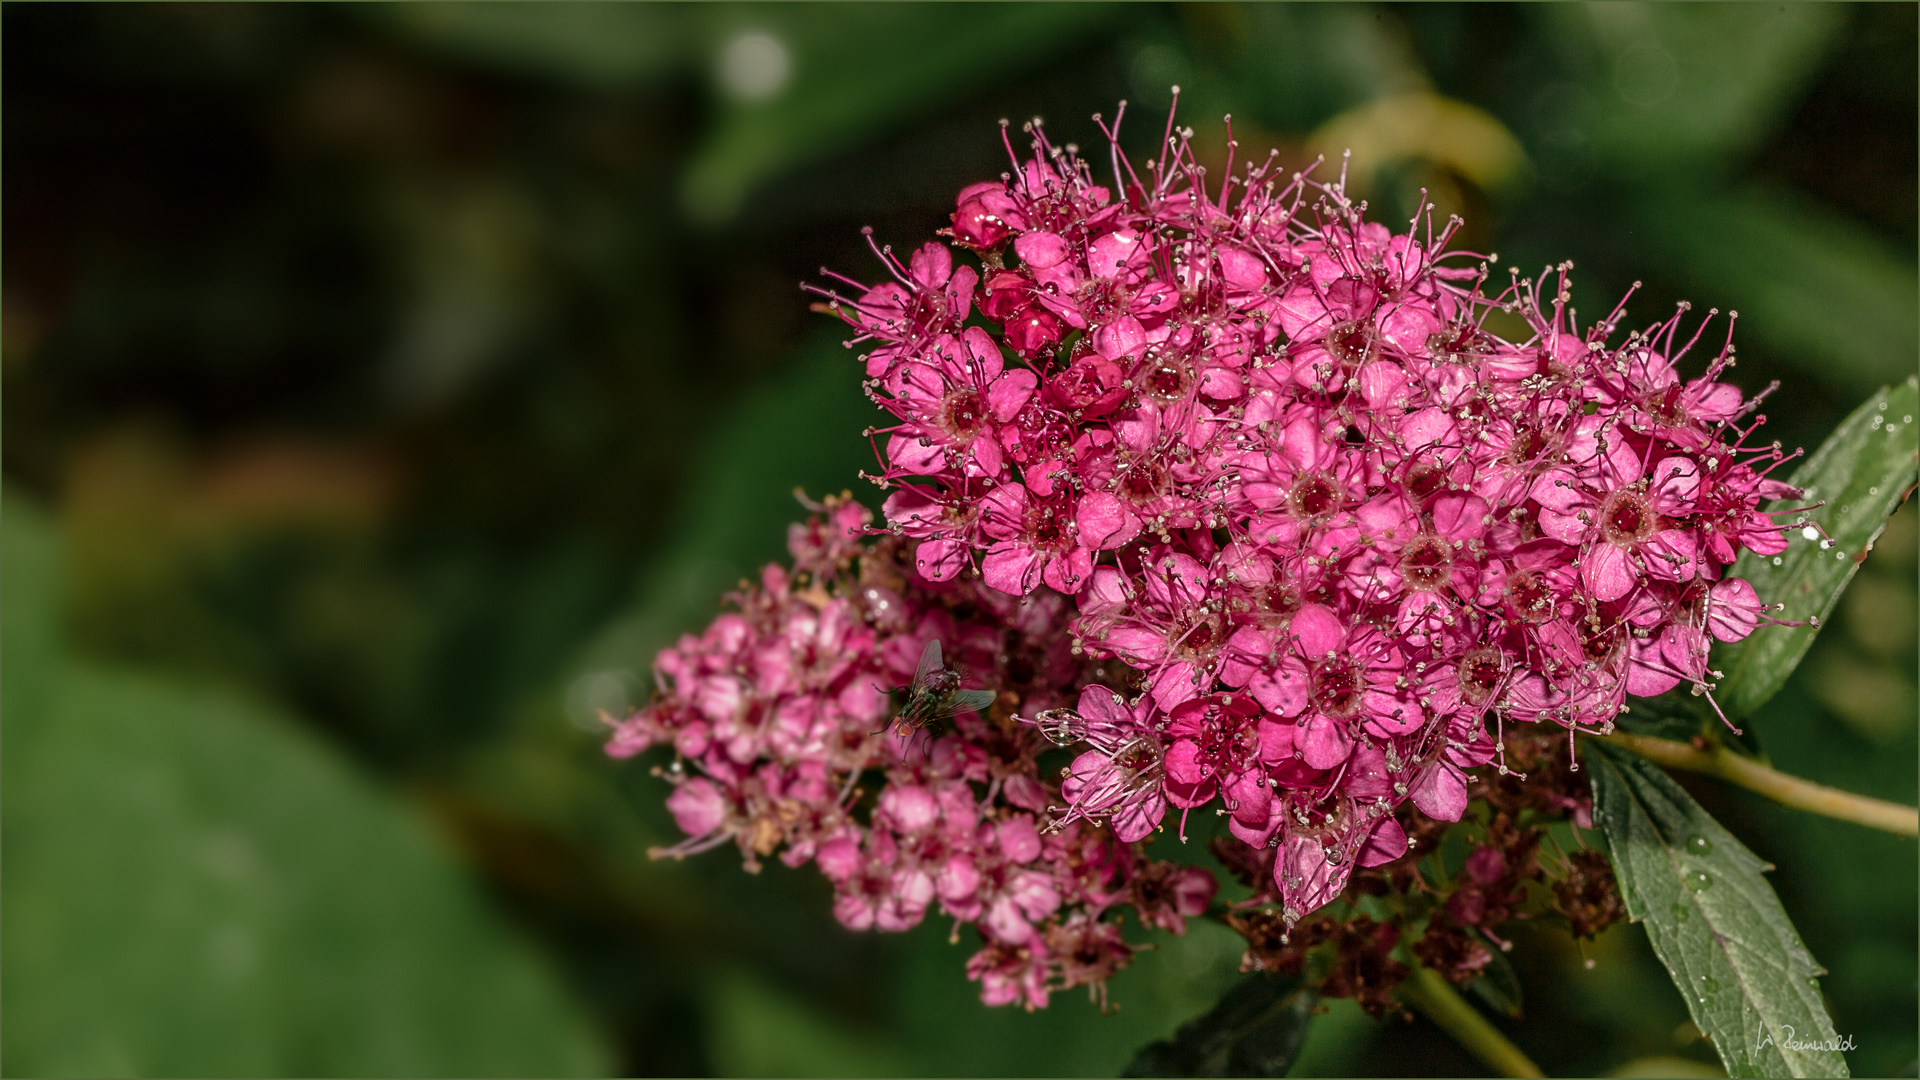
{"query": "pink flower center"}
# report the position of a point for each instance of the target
(1480, 673)
(964, 415)
(1426, 562)
(1274, 604)
(1166, 380)
(1599, 640)
(1046, 528)
(1529, 596)
(1199, 637)
(1314, 496)
(1424, 478)
(1626, 519)
(1351, 343)
(1144, 482)
(1336, 688)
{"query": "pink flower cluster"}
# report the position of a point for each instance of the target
(1286, 473)
(779, 716)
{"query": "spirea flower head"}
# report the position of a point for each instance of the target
(1233, 493)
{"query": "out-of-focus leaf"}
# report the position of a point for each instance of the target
(1819, 290)
(1666, 1068)
(1748, 980)
(1860, 473)
(610, 46)
(1424, 125)
(1692, 84)
(857, 69)
(757, 1030)
(740, 498)
(1498, 985)
(193, 886)
(1256, 1030)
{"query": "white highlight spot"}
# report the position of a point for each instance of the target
(1810, 533)
(754, 66)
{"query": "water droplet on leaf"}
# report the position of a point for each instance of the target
(1700, 845)
(1698, 881)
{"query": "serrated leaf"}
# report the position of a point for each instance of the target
(1860, 474)
(1256, 1030)
(1749, 982)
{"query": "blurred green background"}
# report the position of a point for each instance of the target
(383, 385)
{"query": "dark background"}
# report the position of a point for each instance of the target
(385, 384)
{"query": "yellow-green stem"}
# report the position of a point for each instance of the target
(1433, 997)
(1778, 786)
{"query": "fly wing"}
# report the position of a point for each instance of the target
(971, 700)
(930, 663)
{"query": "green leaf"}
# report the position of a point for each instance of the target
(756, 1029)
(1498, 984)
(1256, 1030)
(602, 46)
(194, 886)
(852, 81)
(801, 430)
(1748, 980)
(1691, 84)
(1860, 473)
(1817, 289)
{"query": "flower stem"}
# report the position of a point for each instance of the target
(1778, 786)
(1436, 999)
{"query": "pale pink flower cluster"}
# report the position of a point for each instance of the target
(779, 718)
(1285, 472)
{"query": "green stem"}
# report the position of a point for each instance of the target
(1778, 786)
(1435, 998)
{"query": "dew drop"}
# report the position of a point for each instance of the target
(1681, 913)
(1709, 984)
(1700, 845)
(1813, 982)
(1698, 881)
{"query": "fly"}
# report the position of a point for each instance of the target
(935, 694)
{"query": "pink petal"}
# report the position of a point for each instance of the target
(1012, 566)
(1383, 384)
(1018, 839)
(1387, 842)
(1041, 250)
(1323, 742)
(1307, 881)
(1283, 691)
(1185, 763)
(1460, 517)
(1733, 610)
(1010, 392)
(1120, 338)
(1676, 480)
(939, 560)
(931, 265)
(1440, 792)
(1607, 573)
(1067, 573)
(1318, 632)
(1105, 521)
(697, 806)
